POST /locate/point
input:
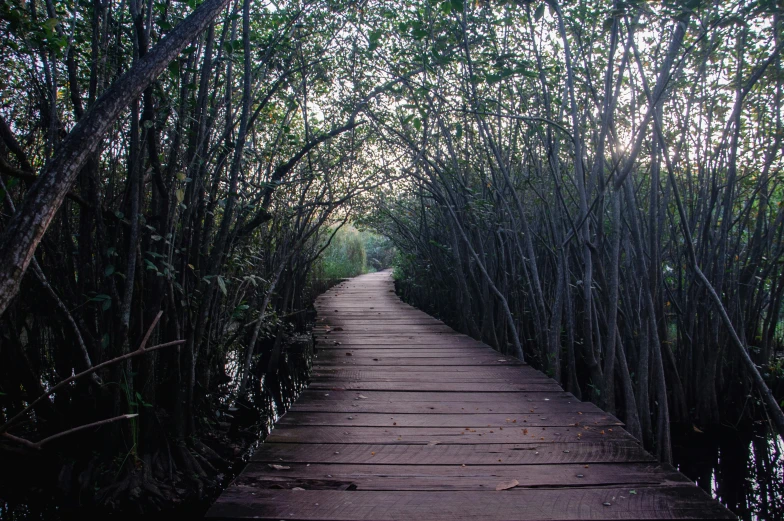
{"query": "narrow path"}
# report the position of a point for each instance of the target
(407, 419)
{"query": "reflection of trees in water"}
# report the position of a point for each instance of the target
(743, 469)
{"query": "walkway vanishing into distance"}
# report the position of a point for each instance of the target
(407, 419)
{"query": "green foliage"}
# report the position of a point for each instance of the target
(352, 252)
(344, 257)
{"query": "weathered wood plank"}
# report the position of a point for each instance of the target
(390, 375)
(455, 477)
(443, 454)
(396, 407)
(425, 361)
(480, 387)
(499, 370)
(393, 434)
(686, 502)
(520, 398)
(474, 355)
(467, 418)
(387, 339)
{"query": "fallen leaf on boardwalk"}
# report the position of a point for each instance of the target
(297, 488)
(362, 397)
(278, 467)
(431, 443)
(506, 485)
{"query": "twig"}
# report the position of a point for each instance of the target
(149, 330)
(141, 350)
(39, 444)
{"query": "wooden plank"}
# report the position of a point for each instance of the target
(387, 339)
(479, 375)
(686, 502)
(436, 378)
(408, 352)
(540, 404)
(394, 434)
(454, 477)
(524, 401)
(381, 360)
(383, 330)
(465, 419)
(498, 371)
(443, 454)
(404, 349)
(406, 419)
(480, 387)
(396, 407)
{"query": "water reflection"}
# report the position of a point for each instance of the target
(744, 469)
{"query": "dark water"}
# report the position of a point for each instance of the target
(742, 468)
(269, 399)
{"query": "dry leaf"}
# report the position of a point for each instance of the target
(297, 488)
(278, 467)
(362, 397)
(506, 485)
(431, 443)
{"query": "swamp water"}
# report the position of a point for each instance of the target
(742, 468)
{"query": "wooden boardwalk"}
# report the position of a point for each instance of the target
(407, 419)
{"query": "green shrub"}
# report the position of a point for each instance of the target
(353, 252)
